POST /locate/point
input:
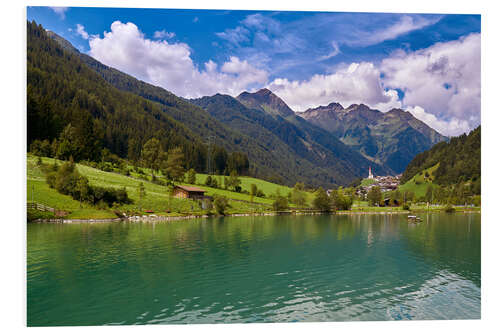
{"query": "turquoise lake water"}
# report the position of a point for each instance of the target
(255, 269)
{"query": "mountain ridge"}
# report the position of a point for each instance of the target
(281, 135)
(391, 138)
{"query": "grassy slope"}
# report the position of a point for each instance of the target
(156, 199)
(367, 182)
(246, 182)
(418, 184)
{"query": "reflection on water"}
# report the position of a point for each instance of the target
(255, 269)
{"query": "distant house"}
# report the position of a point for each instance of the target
(188, 192)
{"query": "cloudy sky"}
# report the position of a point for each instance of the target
(428, 65)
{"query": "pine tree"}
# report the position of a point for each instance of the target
(191, 176)
(151, 155)
(174, 166)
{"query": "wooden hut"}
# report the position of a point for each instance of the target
(188, 192)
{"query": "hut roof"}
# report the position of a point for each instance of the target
(191, 188)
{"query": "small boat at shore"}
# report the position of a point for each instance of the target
(414, 218)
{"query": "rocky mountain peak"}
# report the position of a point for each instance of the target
(266, 100)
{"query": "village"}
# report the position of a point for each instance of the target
(385, 183)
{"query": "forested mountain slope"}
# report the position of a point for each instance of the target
(293, 146)
(459, 160)
(68, 102)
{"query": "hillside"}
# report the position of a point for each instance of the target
(310, 134)
(295, 163)
(157, 197)
(392, 138)
(420, 182)
(459, 161)
(326, 166)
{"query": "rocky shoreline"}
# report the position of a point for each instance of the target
(156, 218)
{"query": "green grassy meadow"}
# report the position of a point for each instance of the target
(419, 183)
(367, 182)
(157, 197)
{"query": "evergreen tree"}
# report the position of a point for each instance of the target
(174, 166)
(82, 186)
(233, 181)
(151, 155)
(191, 176)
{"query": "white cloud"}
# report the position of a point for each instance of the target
(335, 51)
(404, 25)
(61, 11)
(356, 83)
(236, 36)
(444, 79)
(452, 127)
(169, 65)
(80, 29)
(163, 34)
(441, 85)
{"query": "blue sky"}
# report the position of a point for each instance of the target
(421, 63)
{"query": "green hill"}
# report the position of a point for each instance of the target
(157, 196)
(456, 162)
(419, 183)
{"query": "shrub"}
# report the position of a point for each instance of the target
(449, 208)
(321, 201)
(109, 196)
(159, 181)
(221, 203)
(67, 180)
(50, 178)
(41, 148)
(33, 214)
(280, 203)
(340, 200)
(406, 207)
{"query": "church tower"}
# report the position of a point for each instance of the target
(370, 174)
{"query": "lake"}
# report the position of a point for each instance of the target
(255, 269)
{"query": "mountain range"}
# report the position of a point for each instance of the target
(390, 138)
(326, 146)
